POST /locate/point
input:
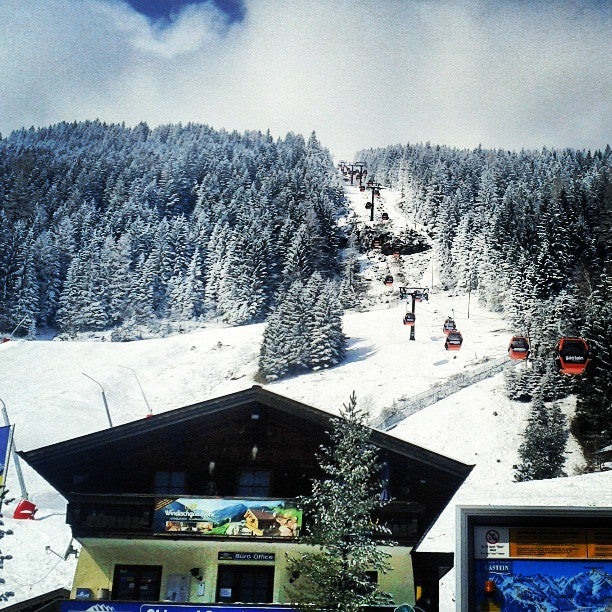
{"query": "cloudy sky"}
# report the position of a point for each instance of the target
(361, 73)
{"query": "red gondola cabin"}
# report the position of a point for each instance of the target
(385, 216)
(454, 340)
(572, 355)
(388, 280)
(409, 318)
(449, 326)
(518, 347)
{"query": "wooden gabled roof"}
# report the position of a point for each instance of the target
(111, 448)
(253, 396)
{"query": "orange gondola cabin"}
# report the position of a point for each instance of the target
(449, 326)
(572, 355)
(409, 318)
(385, 216)
(388, 280)
(518, 347)
(454, 340)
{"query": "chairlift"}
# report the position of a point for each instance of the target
(518, 347)
(449, 326)
(572, 355)
(361, 187)
(454, 340)
(388, 280)
(385, 216)
(409, 318)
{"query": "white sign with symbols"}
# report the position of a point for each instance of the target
(491, 542)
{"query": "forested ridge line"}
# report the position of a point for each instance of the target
(109, 227)
(531, 233)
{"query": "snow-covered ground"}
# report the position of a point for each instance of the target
(50, 399)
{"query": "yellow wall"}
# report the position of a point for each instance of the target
(98, 558)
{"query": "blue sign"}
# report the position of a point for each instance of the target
(5, 447)
(133, 606)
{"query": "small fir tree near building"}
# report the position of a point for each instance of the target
(337, 575)
(542, 451)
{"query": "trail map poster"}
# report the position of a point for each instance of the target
(227, 517)
(545, 584)
(533, 568)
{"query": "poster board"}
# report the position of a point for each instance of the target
(511, 558)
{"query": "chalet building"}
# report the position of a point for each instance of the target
(198, 505)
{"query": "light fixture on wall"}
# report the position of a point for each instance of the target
(211, 467)
(254, 452)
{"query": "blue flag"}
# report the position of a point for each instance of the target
(6, 439)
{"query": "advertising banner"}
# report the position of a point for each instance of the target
(227, 517)
(128, 606)
(6, 438)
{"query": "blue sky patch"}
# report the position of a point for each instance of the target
(167, 9)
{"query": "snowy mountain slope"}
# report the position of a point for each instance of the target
(49, 399)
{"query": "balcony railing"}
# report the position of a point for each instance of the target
(152, 516)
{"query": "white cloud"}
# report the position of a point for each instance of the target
(360, 72)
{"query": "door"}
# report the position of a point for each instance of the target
(245, 583)
(137, 582)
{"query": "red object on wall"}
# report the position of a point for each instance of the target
(25, 510)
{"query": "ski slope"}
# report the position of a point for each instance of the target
(49, 399)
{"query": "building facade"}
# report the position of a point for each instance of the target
(199, 505)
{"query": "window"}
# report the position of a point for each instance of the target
(248, 584)
(169, 483)
(254, 483)
(137, 582)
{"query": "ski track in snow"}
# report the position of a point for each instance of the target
(50, 400)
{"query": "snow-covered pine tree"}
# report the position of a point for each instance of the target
(542, 451)
(327, 342)
(340, 525)
(593, 419)
(284, 347)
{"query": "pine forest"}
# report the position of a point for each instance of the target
(105, 227)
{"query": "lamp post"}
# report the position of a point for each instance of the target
(24, 492)
(144, 397)
(110, 423)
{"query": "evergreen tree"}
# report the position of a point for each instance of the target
(593, 420)
(327, 342)
(542, 451)
(340, 523)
